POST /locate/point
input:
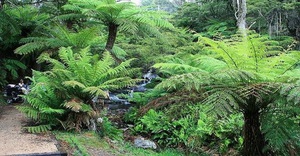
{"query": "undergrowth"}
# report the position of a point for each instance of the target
(82, 144)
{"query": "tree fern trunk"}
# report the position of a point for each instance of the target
(112, 35)
(253, 138)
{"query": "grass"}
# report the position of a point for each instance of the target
(86, 142)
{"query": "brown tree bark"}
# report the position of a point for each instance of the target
(254, 141)
(112, 35)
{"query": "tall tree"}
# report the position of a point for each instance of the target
(206, 16)
(240, 13)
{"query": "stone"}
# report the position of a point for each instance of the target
(142, 143)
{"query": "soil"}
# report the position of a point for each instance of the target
(14, 141)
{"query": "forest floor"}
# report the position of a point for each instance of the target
(15, 141)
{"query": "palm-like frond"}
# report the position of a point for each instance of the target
(223, 101)
(291, 92)
(252, 54)
(8, 21)
(68, 88)
(54, 38)
(126, 15)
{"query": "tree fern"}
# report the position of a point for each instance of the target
(246, 79)
(116, 17)
(63, 95)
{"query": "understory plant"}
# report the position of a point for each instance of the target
(66, 95)
(9, 68)
(192, 129)
(244, 76)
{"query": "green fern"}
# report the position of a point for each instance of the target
(246, 79)
(54, 38)
(38, 129)
(68, 88)
(9, 67)
(117, 17)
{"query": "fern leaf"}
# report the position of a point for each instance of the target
(38, 129)
(96, 91)
(73, 84)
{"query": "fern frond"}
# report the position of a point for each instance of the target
(39, 128)
(96, 91)
(12, 66)
(278, 135)
(291, 92)
(52, 111)
(29, 111)
(118, 83)
(74, 84)
(223, 101)
(178, 67)
(74, 104)
(188, 81)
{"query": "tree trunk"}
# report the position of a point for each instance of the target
(2, 3)
(253, 138)
(240, 14)
(112, 35)
(241, 21)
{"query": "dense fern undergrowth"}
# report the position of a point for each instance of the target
(226, 94)
(63, 96)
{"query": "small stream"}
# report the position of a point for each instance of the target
(118, 103)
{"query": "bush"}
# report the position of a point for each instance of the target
(193, 131)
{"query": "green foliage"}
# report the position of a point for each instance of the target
(107, 129)
(21, 21)
(63, 95)
(43, 105)
(38, 129)
(55, 37)
(9, 68)
(245, 79)
(18, 22)
(85, 142)
(123, 17)
(8, 21)
(202, 17)
(193, 129)
(74, 142)
(266, 16)
(153, 49)
(256, 51)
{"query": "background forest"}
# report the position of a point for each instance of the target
(227, 71)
